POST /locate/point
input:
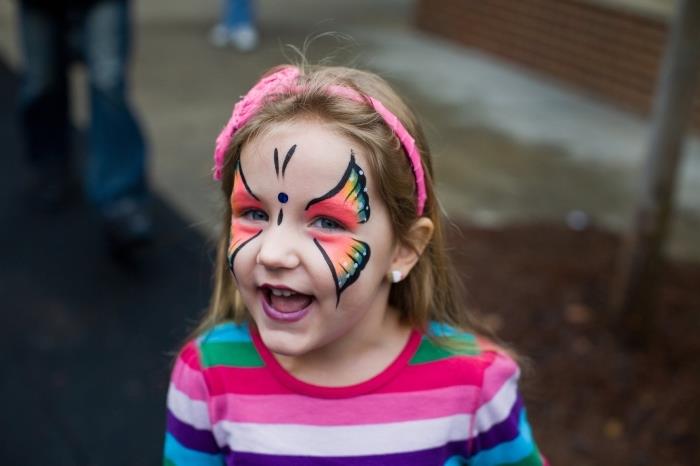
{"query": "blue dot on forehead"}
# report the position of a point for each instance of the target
(283, 198)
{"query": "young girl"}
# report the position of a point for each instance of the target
(335, 333)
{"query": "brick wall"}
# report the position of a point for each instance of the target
(611, 53)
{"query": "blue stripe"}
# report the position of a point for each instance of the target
(455, 460)
(442, 330)
(508, 452)
(181, 455)
(228, 332)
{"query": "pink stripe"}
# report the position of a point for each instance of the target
(242, 380)
(458, 370)
(428, 376)
(369, 409)
(189, 381)
(190, 356)
(501, 369)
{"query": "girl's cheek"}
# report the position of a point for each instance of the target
(240, 233)
(345, 256)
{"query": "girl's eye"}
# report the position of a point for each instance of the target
(255, 215)
(326, 223)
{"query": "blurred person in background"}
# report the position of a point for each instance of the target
(54, 35)
(236, 26)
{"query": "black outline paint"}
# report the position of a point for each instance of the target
(232, 257)
(352, 278)
(287, 158)
(280, 215)
(245, 183)
(363, 183)
(277, 163)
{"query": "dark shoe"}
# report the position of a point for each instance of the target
(127, 225)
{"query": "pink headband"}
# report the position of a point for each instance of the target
(283, 81)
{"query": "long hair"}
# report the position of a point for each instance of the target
(431, 292)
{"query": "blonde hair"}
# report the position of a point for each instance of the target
(431, 292)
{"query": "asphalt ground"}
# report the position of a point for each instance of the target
(87, 341)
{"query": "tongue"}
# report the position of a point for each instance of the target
(292, 303)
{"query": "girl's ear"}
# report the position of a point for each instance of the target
(406, 255)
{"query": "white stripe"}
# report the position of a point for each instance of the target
(192, 412)
(374, 439)
(498, 408)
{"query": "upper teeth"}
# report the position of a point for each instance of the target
(282, 292)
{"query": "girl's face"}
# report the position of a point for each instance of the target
(311, 240)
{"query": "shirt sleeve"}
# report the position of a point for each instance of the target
(501, 434)
(189, 439)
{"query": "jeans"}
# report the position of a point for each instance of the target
(99, 36)
(237, 13)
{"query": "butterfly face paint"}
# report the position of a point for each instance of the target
(243, 203)
(347, 204)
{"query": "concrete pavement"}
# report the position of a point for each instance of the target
(510, 146)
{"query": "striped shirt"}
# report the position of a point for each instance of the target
(231, 403)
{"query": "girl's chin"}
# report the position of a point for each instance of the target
(284, 343)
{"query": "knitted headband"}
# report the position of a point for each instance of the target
(285, 81)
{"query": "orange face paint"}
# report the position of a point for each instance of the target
(348, 198)
(242, 200)
(345, 256)
(336, 210)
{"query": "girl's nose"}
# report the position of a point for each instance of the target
(278, 250)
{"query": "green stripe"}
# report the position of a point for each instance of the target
(459, 345)
(167, 462)
(236, 354)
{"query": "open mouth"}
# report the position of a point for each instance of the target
(281, 303)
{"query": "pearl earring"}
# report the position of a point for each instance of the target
(395, 276)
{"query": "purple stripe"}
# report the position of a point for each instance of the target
(188, 436)
(432, 456)
(504, 431)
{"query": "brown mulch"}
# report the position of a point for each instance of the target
(592, 398)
